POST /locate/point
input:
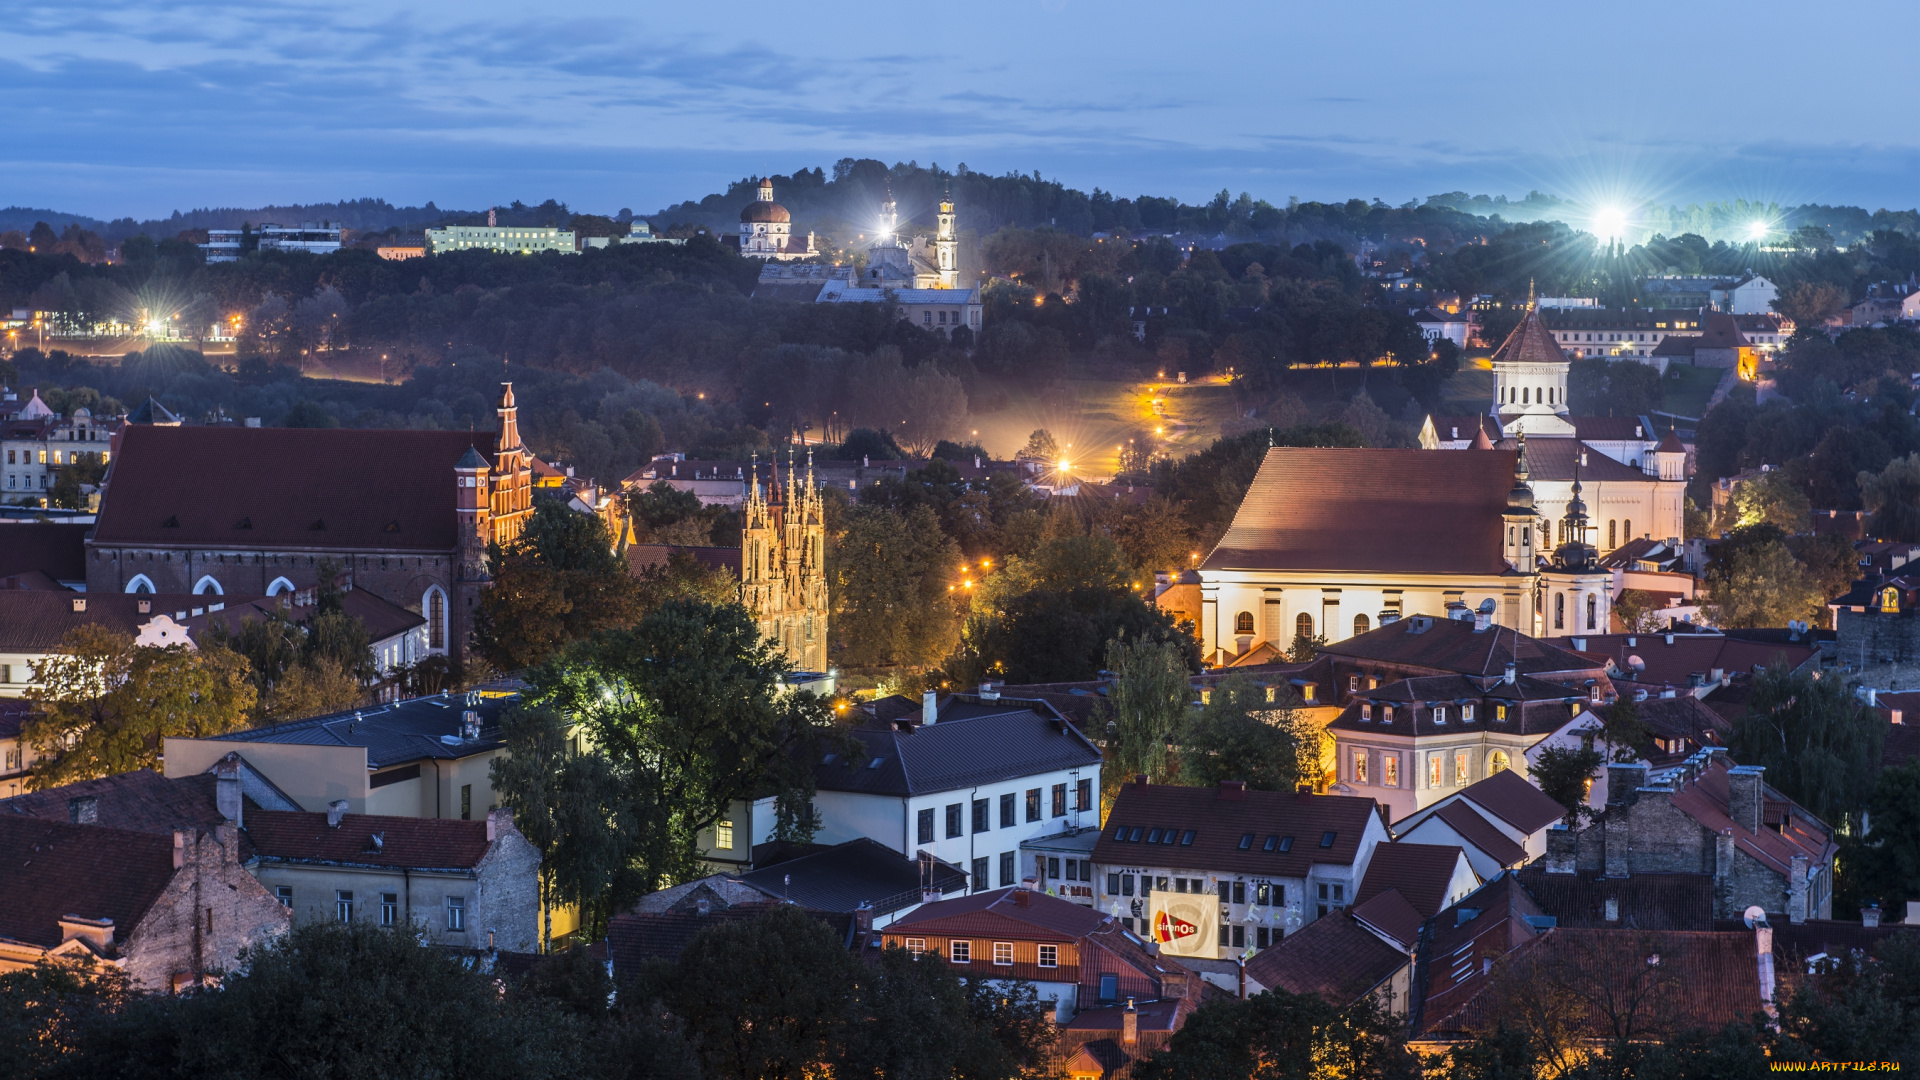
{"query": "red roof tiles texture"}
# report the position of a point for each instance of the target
(416, 843)
(49, 869)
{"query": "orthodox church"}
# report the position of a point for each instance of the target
(766, 229)
(783, 578)
(892, 264)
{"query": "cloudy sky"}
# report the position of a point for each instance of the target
(119, 108)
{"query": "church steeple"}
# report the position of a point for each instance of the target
(946, 244)
(1518, 520)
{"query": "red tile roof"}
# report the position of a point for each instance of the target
(56, 549)
(1333, 956)
(1509, 797)
(1639, 901)
(49, 869)
(1409, 511)
(1530, 343)
(1418, 872)
(1704, 799)
(1221, 818)
(1452, 645)
(1690, 653)
(1451, 968)
(1481, 833)
(377, 490)
(1000, 914)
(414, 843)
(34, 621)
(382, 618)
(1559, 459)
(1390, 914)
(645, 556)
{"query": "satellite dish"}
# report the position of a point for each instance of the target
(1755, 915)
(1637, 664)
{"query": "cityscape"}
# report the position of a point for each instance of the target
(1376, 602)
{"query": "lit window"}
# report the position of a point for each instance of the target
(1390, 770)
(1466, 714)
(723, 835)
(1459, 767)
(1003, 953)
(1433, 770)
(1440, 714)
(1366, 713)
(1359, 766)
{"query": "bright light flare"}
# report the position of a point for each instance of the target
(1609, 223)
(1757, 232)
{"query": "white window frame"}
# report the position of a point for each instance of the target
(917, 946)
(1003, 948)
(1049, 956)
(960, 951)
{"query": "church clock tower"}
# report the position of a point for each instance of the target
(946, 244)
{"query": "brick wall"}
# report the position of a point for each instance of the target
(211, 910)
(1873, 636)
(1660, 839)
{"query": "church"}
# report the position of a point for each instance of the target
(892, 264)
(766, 230)
(783, 576)
(219, 511)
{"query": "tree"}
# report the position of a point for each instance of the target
(1885, 864)
(1243, 733)
(103, 705)
(684, 577)
(1281, 1036)
(1811, 303)
(1819, 746)
(1760, 584)
(1772, 499)
(1637, 609)
(46, 1012)
(1857, 1008)
(561, 581)
(933, 405)
(70, 484)
(320, 665)
(687, 706)
(1565, 774)
(1145, 712)
(1305, 647)
(1041, 447)
(1625, 733)
(1893, 497)
(896, 587)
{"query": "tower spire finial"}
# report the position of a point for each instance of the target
(1531, 302)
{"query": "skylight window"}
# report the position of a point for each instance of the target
(1246, 841)
(1326, 838)
(1286, 843)
(1186, 838)
(1134, 836)
(1153, 836)
(1269, 845)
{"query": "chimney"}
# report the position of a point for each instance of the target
(863, 917)
(1233, 790)
(226, 788)
(988, 693)
(79, 604)
(145, 607)
(179, 849)
(929, 707)
(1870, 915)
(336, 810)
(1797, 890)
(1563, 847)
(1140, 779)
(1130, 1026)
(1241, 963)
(1023, 898)
(1744, 795)
(1512, 673)
(497, 818)
(1623, 779)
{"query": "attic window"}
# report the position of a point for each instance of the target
(1439, 714)
(1246, 840)
(1286, 843)
(875, 763)
(1186, 838)
(1326, 838)
(1466, 714)
(1153, 836)
(1168, 836)
(1499, 712)
(1270, 844)
(1366, 714)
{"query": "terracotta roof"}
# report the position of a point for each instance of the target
(1461, 428)
(1451, 968)
(49, 869)
(382, 618)
(1640, 901)
(1418, 872)
(1671, 444)
(138, 801)
(1721, 332)
(1704, 799)
(1333, 956)
(1559, 459)
(56, 549)
(284, 487)
(999, 913)
(1390, 914)
(1481, 833)
(1530, 343)
(1542, 706)
(1441, 645)
(1902, 744)
(758, 212)
(1511, 798)
(34, 621)
(1677, 345)
(1690, 653)
(646, 556)
(1222, 819)
(414, 843)
(1409, 511)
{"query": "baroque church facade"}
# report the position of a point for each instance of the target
(766, 229)
(783, 578)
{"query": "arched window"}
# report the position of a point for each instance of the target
(434, 606)
(1613, 538)
(1509, 536)
(1559, 611)
(141, 584)
(279, 586)
(1498, 761)
(1626, 530)
(1362, 624)
(1525, 396)
(1243, 623)
(1303, 625)
(1593, 608)
(207, 585)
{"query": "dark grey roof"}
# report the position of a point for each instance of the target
(847, 875)
(394, 733)
(996, 743)
(471, 460)
(152, 412)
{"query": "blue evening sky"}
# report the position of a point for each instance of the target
(140, 108)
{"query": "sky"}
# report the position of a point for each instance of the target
(114, 108)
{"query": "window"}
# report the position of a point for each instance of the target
(1353, 684)
(1560, 605)
(1153, 836)
(1439, 714)
(1271, 844)
(1239, 937)
(436, 619)
(343, 905)
(981, 808)
(1243, 623)
(1613, 537)
(1109, 987)
(1007, 818)
(1499, 712)
(466, 802)
(1326, 838)
(1359, 766)
(1186, 838)
(1361, 624)
(1049, 956)
(1366, 712)
(1083, 795)
(925, 830)
(953, 820)
(1498, 761)
(1059, 800)
(389, 908)
(1433, 770)
(1239, 892)
(978, 879)
(1386, 714)
(456, 914)
(1246, 841)
(1008, 870)
(1053, 867)
(917, 946)
(1003, 954)
(1333, 896)
(284, 894)
(1593, 602)
(1033, 804)
(1126, 885)
(1390, 770)
(1113, 884)
(1459, 767)
(1626, 529)
(1286, 844)
(1263, 937)
(1303, 625)
(1466, 714)
(1179, 884)
(960, 952)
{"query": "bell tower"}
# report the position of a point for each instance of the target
(1577, 591)
(946, 246)
(511, 493)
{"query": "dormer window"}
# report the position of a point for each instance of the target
(1366, 714)
(1439, 714)
(1308, 691)
(1500, 712)
(1386, 714)
(1353, 683)
(1466, 714)
(1890, 599)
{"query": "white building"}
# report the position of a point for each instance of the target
(1437, 324)
(510, 239)
(227, 245)
(766, 229)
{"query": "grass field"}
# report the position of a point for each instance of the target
(1689, 387)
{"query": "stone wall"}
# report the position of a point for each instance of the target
(509, 889)
(211, 910)
(1869, 637)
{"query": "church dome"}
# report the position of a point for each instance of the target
(761, 213)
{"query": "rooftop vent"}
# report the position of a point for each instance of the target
(79, 604)
(336, 810)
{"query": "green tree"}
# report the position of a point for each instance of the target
(684, 577)
(103, 705)
(1772, 499)
(69, 484)
(560, 582)
(1636, 608)
(1819, 745)
(1624, 731)
(1893, 497)
(1281, 1036)
(1041, 447)
(1859, 1008)
(1760, 584)
(1564, 774)
(897, 590)
(1240, 733)
(1884, 865)
(1145, 712)
(46, 1012)
(688, 707)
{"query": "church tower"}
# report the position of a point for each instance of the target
(889, 214)
(1530, 380)
(1518, 518)
(1577, 591)
(946, 244)
(782, 564)
(511, 490)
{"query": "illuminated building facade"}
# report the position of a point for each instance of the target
(783, 578)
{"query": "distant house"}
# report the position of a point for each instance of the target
(1500, 822)
(1440, 325)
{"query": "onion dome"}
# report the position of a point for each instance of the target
(1521, 497)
